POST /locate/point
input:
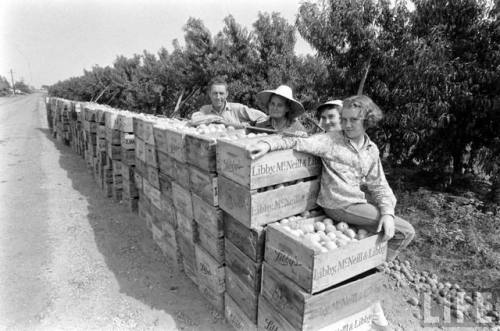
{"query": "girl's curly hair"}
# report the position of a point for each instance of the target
(371, 113)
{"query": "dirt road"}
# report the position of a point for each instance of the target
(71, 258)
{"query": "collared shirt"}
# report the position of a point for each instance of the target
(345, 170)
(292, 127)
(233, 113)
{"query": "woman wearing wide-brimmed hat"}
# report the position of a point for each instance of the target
(283, 110)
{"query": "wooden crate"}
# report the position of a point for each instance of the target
(129, 189)
(213, 245)
(207, 216)
(176, 144)
(246, 298)
(160, 137)
(165, 185)
(187, 250)
(168, 210)
(138, 127)
(151, 157)
(204, 185)
(249, 240)
(128, 156)
(127, 141)
(147, 134)
(244, 267)
(187, 227)
(138, 180)
(315, 271)
(210, 272)
(271, 319)
(167, 247)
(277, 167)
(140, 167)
(153, 176)
(127, 172)
(253, 208)
(182, 200)
(181, 173)
(236, 317)
(314, 311)
(114, 152)
(215, 298)
(152, 193)
(166, 164)
(113, 136)
(140, 149)
(201, 151)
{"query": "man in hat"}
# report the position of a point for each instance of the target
(228, 112)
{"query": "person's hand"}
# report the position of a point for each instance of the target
(386, 222)
(258, 150)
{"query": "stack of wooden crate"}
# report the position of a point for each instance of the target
(305, 289)
(130, 194)
(254, 193)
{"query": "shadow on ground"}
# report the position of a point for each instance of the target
(131, 254)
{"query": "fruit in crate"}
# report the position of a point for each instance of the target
(322, 235)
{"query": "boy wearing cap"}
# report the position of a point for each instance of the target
(328, 115)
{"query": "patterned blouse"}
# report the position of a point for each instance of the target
(345, 170)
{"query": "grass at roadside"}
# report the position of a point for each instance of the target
(455, 238)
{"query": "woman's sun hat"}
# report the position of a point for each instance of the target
(296, 108)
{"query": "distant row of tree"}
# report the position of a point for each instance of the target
(433, 69)
(19, 86)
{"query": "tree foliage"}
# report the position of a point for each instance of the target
(433, 69)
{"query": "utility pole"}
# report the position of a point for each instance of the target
(12, 80)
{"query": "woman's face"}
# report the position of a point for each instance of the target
(330, 120)
(352, 123)
(277, 107)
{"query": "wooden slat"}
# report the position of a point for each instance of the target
(207, 216)
(204, 184)
(246, 298)
(236, 317)
(277, 167)
(140, 149)
(253, 209)
(249, 240)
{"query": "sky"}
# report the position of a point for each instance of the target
(51, 40)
